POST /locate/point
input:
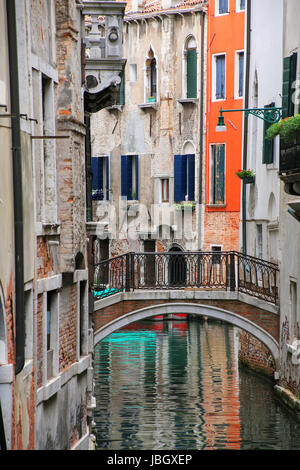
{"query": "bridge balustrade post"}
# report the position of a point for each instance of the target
(231, 272)
(127, 272)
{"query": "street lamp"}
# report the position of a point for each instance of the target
(270, 115)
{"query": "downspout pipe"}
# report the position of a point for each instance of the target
(17, 185)
(202, 18)
(245, 139)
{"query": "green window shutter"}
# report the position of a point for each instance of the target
(218, 174)
(268, 145)
(191, 73)
(289, 76)
(122, 89)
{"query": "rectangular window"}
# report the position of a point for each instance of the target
(51, 330)
(222, 6)
(122, 90)
(130, 177)
(184, 177)
(219, 77)
(191, 64)
(133, 72)
(49, 170)
(288, 85)
(240, 5)
(268, 145)
(240, 74)
(217, 174)
(100, 180)
(164, 188)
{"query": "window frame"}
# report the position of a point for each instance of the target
(105, 176)
(186, 175)
(134, 159)
(161, 187)
(217, 8)
(214, 77)
(237, 75)
(212, 200)
(187, 77)
(238, 7)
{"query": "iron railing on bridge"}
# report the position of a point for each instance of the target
(226, 270)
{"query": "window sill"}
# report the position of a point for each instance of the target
(149, 105)
(216, 206)
(51, 229)
(115, 107)
(188, 101)
(52, 386)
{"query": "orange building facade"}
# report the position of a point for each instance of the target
(225, 83)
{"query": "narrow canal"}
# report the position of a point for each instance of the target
(172, 385)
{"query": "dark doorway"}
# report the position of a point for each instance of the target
(149, 265)
(177, 267)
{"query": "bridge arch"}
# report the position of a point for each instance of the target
(195, 309)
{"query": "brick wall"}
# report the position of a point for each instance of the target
(254, 354)
(44, 259)
(221, 228)
(67, 327)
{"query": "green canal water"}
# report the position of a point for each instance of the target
(168, 385)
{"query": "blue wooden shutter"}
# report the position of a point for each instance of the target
(137, 176)
(95, 178)
(223, 6)
(180, 175)
(126, 176)
(191, 176)
(220, 77)
(219, 174)
(191, 73)
(107, 178)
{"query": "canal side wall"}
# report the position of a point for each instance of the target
(255, 355)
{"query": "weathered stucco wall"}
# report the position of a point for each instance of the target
(155, 134)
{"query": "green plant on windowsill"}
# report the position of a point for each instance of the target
(184, 205)
(288, 129)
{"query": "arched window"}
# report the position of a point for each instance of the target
(190, 54)
(151, 77)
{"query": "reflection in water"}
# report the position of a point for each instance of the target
(176, 385)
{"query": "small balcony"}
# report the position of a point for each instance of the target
(104, 62)
(289, 165)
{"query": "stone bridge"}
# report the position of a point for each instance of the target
(257, 317)
(228, 286)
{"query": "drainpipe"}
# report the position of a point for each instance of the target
(245, 140)
(17, 184)
(201, 127)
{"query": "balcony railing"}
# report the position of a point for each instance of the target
(289, 157)
(229, 270)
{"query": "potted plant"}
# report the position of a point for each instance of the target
(151, 99)
(248, 176)
(288, 129)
